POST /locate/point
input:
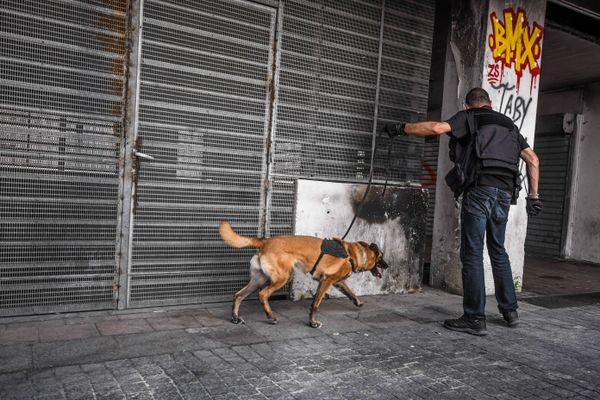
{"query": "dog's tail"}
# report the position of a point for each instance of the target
(234, 239)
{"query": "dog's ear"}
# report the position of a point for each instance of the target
(374, 247)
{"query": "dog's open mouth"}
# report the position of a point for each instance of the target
(376, 271)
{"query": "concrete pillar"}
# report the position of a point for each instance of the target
(583, 232)
(494, 45)
(464, 61)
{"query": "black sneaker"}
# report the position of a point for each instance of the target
(511, 318)
(468, 325)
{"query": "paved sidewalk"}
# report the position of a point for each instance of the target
(392, 348)
(551, 276)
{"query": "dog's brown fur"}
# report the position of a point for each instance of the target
(272, 267)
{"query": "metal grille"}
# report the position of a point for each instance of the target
(61, 114)
(429, 178)
(404, 88)
(544, 232)
(204, 115)
(327, 93)
(209, 97)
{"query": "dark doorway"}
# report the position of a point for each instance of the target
(571, 53)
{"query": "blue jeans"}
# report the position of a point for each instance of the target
(484, 213)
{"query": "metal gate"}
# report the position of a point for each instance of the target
(552, 145)
(346, 67)
(205, 74)
(234, 100)
(232, 120)
(61, 124)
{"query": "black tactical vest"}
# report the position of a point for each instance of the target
(492, 147)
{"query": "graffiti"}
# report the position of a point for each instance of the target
(514, 44)
(494, 74)
(430, 177)
(512, 105)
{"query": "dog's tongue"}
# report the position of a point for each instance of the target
(377, 272)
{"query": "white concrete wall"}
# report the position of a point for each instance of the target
(464, 60)
(583, 237)
(394, 222)
(514, 92)
(513, 88)
(445, 270)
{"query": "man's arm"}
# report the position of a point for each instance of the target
(533, 169)
(427, 128)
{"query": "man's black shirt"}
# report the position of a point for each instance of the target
(495, 177)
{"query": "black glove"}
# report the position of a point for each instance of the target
(394, 130)
(534, 206)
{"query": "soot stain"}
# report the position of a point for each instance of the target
(406, 205)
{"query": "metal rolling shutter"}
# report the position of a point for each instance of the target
(205, 115)
(61, 114)
(204, 107)
(327, 97)
(429, 178)
(544, 232)
(406, 59)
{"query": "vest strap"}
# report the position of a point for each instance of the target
(332, 247)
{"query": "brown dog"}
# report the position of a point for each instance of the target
(272, 267)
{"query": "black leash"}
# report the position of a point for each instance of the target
(387, 171)
(387, 168)
(326, 247)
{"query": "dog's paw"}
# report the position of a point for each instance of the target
(272, 320)
(315, 324)
(358, 303)
(237, 320)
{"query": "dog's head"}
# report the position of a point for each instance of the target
(376, 263)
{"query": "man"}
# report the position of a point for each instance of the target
(487, 187)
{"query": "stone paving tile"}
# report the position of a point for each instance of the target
(135, 345)
(80, 351)
(207, 319)
(397, 350)
(174, 322)
(285, 329)
(67, 332)
(250, 311)
(236, 334)
(123, 327)
(16, 333)
(16, 357)
(142, 315)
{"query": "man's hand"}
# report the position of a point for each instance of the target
(534, 206)
(394, 130)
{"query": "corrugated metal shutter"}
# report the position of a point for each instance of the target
(205, 70)
(429, 178)
(406, 59)
(61, 114)
(544, 232)
(327, 97)
(204, 115)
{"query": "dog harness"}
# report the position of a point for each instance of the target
(333, 247)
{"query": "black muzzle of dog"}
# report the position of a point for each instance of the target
(380, 263)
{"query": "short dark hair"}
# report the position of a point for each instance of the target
(477, 96)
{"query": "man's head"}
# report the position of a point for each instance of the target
(477, 97)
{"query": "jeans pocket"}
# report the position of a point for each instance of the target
(475, 203)
(500, 212)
